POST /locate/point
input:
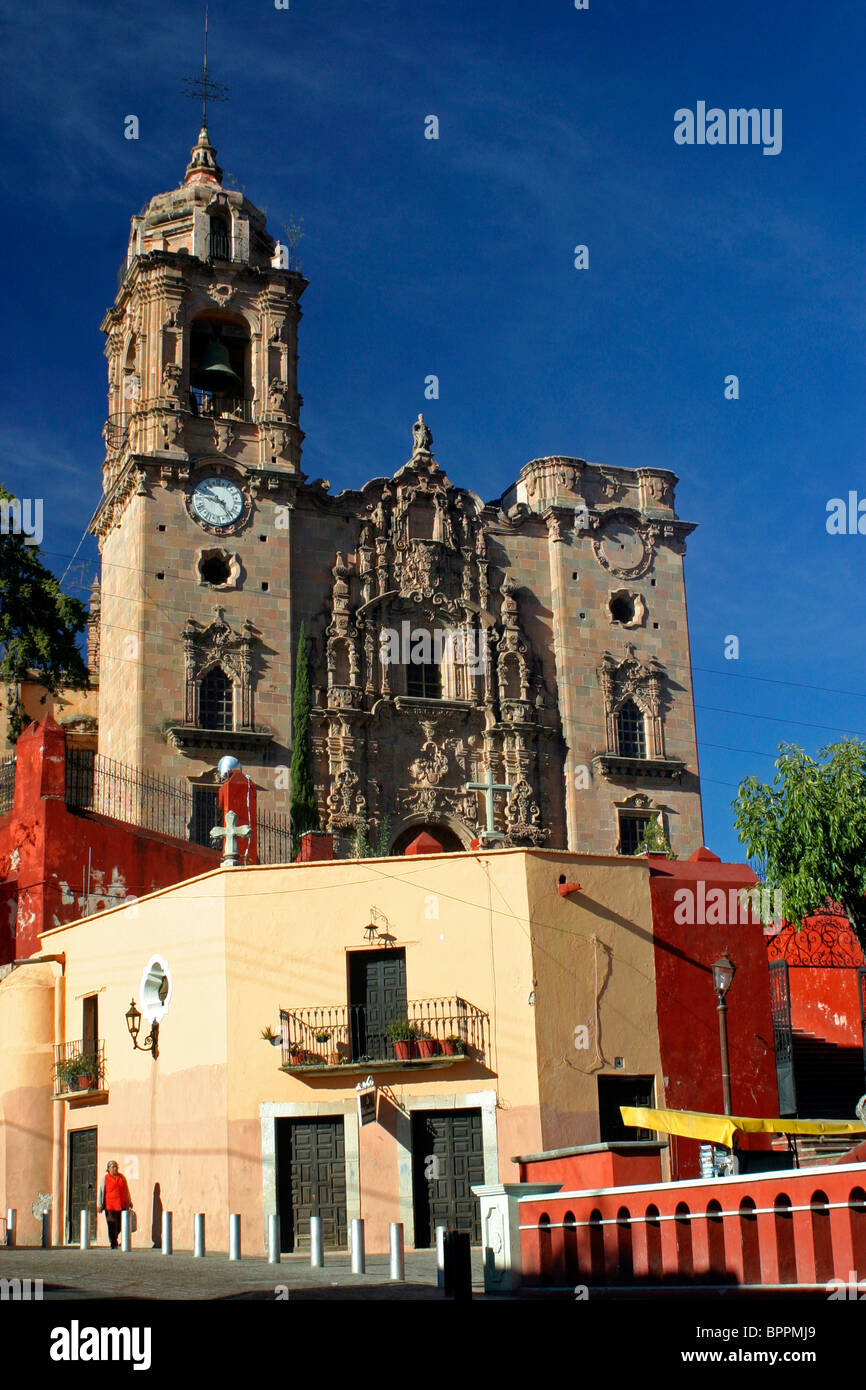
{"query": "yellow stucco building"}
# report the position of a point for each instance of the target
(518, 985)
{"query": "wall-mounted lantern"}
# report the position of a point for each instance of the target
(156, 989)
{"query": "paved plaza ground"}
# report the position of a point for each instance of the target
(148, 1274)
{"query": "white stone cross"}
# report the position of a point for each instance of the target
(229, 834)
(488, 787)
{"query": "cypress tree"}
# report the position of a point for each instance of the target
(304, 810)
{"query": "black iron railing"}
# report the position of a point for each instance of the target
(79, 1066)
(164, 804)
(7, 785)
(340, 1034)
(219, 246)
(213, 407)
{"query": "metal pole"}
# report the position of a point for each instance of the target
(198, 1235)
(125, 1230)
(357, 1245)
(84, 1228)
(317, 1249)
(234, 1236)
(273, 1239)
(398, 1258)
(166, 1233)
(440, 1257)
(46, 1231)
(11, 1222)
(726, 1062)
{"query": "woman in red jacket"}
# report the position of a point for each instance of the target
(114, 1198)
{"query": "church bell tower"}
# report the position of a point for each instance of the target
(202, 458)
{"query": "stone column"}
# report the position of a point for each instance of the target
(500, 1230)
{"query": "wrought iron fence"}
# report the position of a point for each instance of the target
(338, 1034)
(211, 406)
(79, 1066)
(7, 785)
(167, 805)
(273, 838)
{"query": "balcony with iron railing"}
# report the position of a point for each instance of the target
(209, 406)
(79, 1070)
(356, 1037)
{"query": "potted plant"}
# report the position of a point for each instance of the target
(428, 1047)
(88, 1073)
(402, 1035)
(268, 1035)
(68, 1071)
(454, 1046)
(322, 1035)
(297, 1054)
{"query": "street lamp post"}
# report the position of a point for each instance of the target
(723, 974)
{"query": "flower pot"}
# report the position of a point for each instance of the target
(428, 1047)
(404, 1049)
(334, 1059)
(84, 1083)
(296, 1056)
(451, 1048)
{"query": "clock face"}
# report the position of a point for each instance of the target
(217, 502)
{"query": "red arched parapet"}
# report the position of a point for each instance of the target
(655, 1264)
(571, 1262)
(717, 1264)
(786, 1245)
(685, 1252)
(857, 1220)
(596, 1248)
(625, 1256)
(822, 1237)
(545, 1249)
(750, 1242)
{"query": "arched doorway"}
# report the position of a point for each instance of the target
(446, 837)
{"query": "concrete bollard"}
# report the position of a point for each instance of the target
(126, 1230)
(398, 1257)
(317, 1248)
(46, 1230)
(198, 1235)
(234, 1236)
(440, 1257)
(84, 1228)
(273, 1239)
(356, 1245)
(11, 1223)
(166, 1233)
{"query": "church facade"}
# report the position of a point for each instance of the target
(536, 643)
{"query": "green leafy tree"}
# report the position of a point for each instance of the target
(654, 841)
(39, 625)
(304, 808)
(808, 830)
(367, 846)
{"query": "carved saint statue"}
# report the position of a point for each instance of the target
(422, 436)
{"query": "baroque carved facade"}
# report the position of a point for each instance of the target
(453, 640)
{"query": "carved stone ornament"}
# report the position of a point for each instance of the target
(522, 815)
(622, 548)
(171, 378)
(217, 645)
(422, 437)
(430, 767)
(346, 802)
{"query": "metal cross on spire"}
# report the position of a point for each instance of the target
(204, 86)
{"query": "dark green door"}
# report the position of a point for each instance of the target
(82, 1188)
(311, 1181)
(447, 1162)
(377, 996)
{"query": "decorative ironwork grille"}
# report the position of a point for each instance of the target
(79, 1067)
(783, 1036)
(330, 1035)
(167, 805)
(216, 701)
(630, 731)
(7, 785)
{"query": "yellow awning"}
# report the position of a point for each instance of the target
(721, 1129)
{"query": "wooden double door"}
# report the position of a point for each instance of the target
(311, 1181)
(447, 1162)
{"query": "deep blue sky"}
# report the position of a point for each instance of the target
(456, 257)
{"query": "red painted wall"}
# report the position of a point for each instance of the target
(44, 851)
(823, 958)
(688, 1018)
